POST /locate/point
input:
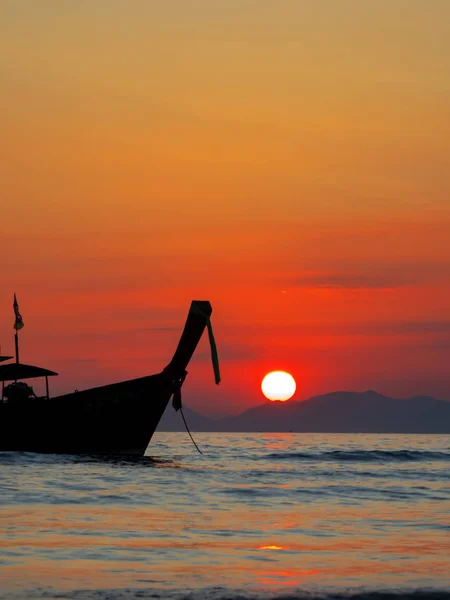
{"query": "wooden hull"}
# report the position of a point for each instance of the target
(114, 419)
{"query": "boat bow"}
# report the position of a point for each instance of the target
(199, 318)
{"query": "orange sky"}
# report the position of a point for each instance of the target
(288, 161)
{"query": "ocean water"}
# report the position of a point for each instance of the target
(256, 516)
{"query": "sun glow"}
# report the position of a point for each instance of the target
(278, 385)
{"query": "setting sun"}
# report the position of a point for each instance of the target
(278, 385)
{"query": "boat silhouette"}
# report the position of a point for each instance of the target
(115, 419)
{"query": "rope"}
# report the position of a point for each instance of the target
(212, 342)
(187, 429)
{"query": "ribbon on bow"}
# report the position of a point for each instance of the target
(197, 310)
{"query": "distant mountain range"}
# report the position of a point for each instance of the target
(338, 412)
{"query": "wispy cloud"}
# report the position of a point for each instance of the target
(357, 328)
(374, 277)
(346, 281)
(231, 351)
(161, 329)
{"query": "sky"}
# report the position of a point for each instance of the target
(288, 161)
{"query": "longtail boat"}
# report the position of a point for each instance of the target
(115, 419)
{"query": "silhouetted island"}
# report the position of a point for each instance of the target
(337, 412)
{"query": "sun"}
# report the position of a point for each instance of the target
(278, 385)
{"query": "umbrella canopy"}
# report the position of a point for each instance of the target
(15, 371)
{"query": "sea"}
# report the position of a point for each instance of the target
(256, 516)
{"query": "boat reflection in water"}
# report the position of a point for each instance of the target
(115, 419)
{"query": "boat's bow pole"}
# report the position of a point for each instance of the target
(198, 318)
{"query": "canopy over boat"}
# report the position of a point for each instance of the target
(2, 358)
(16, 371)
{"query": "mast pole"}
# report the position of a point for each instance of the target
(16, 339)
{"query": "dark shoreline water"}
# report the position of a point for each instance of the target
(281, 516)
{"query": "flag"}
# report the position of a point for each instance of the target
(18, 323)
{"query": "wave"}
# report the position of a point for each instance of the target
(222, 593)
(17, 457)
(362, 456)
